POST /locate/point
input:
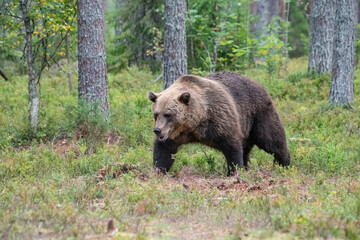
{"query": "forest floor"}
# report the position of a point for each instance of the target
(78, 178)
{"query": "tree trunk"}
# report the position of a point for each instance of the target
(118, 21)
(191, 35)
(175, 58)
(357, 13)
(322, 19)
(217, 42)
(261, 10)
(283, 9)
(33, 108)
(93, 83)
(286, 52)
(69, 62)
(265, 10)
(342, 82)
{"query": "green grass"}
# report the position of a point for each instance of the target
(50, 187)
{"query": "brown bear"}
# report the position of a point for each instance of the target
(225, 110)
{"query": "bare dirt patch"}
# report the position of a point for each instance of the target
(115, 170)
(64, 147)
(192, 181)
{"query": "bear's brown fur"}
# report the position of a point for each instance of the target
(225, 110)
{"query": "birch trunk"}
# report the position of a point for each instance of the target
(93, 82)
(33, 108)
(175, 58)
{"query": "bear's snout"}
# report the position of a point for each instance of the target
(157, 131)
(161, 135)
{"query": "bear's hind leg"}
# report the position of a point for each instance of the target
(269, 135)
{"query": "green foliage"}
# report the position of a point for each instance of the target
(271, 46)
(214, 23)
(210, 24)
(139, 39)
(299, 32)
(88, 122)
(51, 20)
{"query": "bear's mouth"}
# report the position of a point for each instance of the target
(163, 138)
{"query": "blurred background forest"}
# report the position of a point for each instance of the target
(134, 34)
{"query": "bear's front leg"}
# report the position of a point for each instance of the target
(234, 159)
(162, 154)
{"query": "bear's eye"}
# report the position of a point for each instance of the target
(155, 116)
(167, 116)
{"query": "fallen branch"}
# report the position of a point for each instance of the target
(159, 77)
(3, 75)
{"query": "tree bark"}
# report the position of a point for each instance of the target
(342, 82)
(33, 108)
(69, 62)
(265, 10)
(93, 82)
(322, 19)
(357, 13)
(191, 35)
(261, 10)
(175, 58)
(286, 52)
(118, 21)
(283, 9)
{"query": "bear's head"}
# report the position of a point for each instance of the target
(170, 109)
(179, 109)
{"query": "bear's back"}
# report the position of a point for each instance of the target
(251, 98)
(245, 92)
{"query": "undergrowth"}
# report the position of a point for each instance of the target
(49, 188)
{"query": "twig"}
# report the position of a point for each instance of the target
(54, 53)
(51, 56)
(3, 75)
(159, 77)
(208, 53)
(350, 129)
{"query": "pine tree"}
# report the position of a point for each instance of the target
(342, 82)
(93, 83)
(175, 57)
(322, 19)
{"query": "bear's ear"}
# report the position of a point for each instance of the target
(185, 97)
(153, 96)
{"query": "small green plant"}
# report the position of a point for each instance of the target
(271, 46)
(87, 122)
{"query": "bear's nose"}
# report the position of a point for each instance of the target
(157, 131)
